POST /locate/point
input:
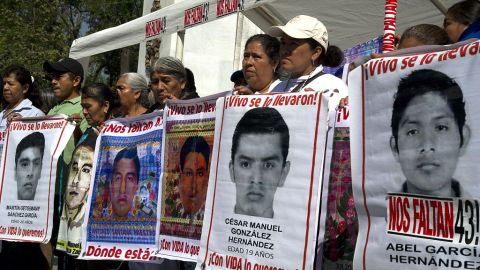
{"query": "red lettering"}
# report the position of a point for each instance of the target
(225, 7)
(399, 218)
(100, 252)
(449, 219)
(389, 24)
(193, 16)
(219, 8)
(114, 128)
(474, 48)
(128, 254)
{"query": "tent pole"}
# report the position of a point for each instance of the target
(179, 47)
(440, 6)
(238, 42)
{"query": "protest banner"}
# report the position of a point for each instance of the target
(122, 203)
(80, 173)
(28, 172)
(189, 129)
(261, 210)
(414, 122)
(338, 225)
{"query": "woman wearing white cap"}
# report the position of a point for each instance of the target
(304, 50)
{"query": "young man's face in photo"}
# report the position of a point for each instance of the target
(123, 186)
(27, 173)
(193, 182)
(257, 171)
(429, 143)
(79, 177)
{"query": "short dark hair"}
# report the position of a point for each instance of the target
(24, 77)
(262, 121)
(332, 56)
(101, 93)
(421, 82)
(35, 139)
(190, 90)
(194, 144)
(426, 34)
(270, 45)
(128, 153)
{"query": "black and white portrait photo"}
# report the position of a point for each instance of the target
(429, 132)
(259, 162)
(28, 165)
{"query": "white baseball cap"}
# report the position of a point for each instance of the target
(303, 26)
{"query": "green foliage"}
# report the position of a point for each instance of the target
(104, 14)
(31, 33)
(34, 31)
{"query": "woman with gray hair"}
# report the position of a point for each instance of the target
(132, 89)
(169, 80)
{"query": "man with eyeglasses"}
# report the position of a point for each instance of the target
(66, 76)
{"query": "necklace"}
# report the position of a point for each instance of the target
(299, 86)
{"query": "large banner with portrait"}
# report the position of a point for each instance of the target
(122, 207)
(415, 120)
(28, 171)
(261, 210)
(189, 129)
(80, 171)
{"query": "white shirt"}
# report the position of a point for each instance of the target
(270, 88)
(24, 108)
(331, 87)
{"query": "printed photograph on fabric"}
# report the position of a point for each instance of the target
(28, 165)
(266, 170)
(429, 132)
(123, 183)
(125, 189)
(126, 186)
(187, 158)
(259, 164)
(81, 169)
(80, 172)
(415, 157)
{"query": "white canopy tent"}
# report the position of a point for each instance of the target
(212, 49)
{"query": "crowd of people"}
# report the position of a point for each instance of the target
(289, 58)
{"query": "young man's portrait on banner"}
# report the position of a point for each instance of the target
(124, 182)
(259, 164)
(187, 158)
(194, 172)
(78, 185)
(28, 165)
(429, 132)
